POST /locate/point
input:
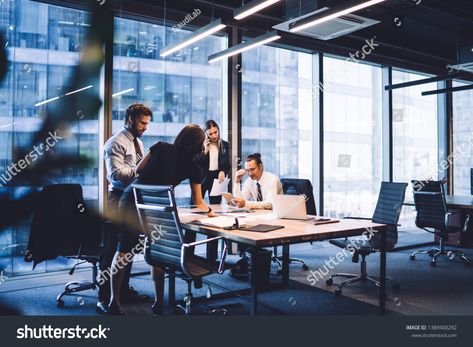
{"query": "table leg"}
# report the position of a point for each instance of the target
(382, 274)
(172, 289)
(285, 265)
(253, 282)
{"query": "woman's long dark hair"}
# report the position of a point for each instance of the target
(191, 139)
(213, 124)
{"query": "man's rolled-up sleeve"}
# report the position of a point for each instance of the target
(115, 164)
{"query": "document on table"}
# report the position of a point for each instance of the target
(219, 188)
(219, 222)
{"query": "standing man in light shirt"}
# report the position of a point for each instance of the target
(259, 190)
(122, 153)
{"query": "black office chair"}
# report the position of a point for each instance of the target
(388, 210)
(432, 212)
(295, 186)
(157, 210)
(62, 226)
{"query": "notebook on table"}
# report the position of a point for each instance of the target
(261, 228)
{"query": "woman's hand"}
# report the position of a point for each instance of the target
(206, 144)
(221, 176)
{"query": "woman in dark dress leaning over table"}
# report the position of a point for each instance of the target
(165, 164)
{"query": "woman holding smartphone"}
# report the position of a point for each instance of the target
(214, 160)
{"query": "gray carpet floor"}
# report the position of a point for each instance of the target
(443, 290)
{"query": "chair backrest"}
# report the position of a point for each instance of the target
(427, 186)
(388, 209)
(295, 186)
(57, 227)
(159, 220)
(431, 209)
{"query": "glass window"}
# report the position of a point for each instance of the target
(415, 135)
(352, 137)
(462, 139)
(181, 89)
(43, 44)
(277, 110)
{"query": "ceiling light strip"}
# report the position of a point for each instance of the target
(197, 35)
(242, 47)
(252, 7)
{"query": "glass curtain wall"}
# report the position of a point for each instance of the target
(415, 136)
(352, 137)
(43, 44)
(277, 110)
(462, 140)
(180, 89)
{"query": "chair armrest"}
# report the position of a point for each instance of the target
(187, 245)
(221, 265)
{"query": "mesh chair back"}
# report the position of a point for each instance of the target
(388, 209)
(294, 186)
(159, 219)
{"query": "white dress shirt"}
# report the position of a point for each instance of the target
(213, 157)
(120, 159)
(270, 187)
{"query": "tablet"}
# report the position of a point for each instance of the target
(229, 198)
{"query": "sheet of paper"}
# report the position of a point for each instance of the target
(219, 188)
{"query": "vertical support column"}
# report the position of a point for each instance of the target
(234, 106)
(317, 94)
(234, 99)
(387, 121)
(445, 138)
(105, 115)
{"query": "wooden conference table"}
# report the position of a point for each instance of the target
(294, 231)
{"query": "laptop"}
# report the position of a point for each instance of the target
(290, 207)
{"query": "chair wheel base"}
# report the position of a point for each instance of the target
(60, 303)
(412, 257)
(329, 282)
(305, 267)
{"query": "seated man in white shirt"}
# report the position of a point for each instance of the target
(259, 189)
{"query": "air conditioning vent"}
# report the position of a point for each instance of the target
(331, 29)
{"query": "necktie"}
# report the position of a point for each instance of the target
(260, 194)
(138, 151)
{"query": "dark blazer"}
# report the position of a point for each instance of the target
(223, 160)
